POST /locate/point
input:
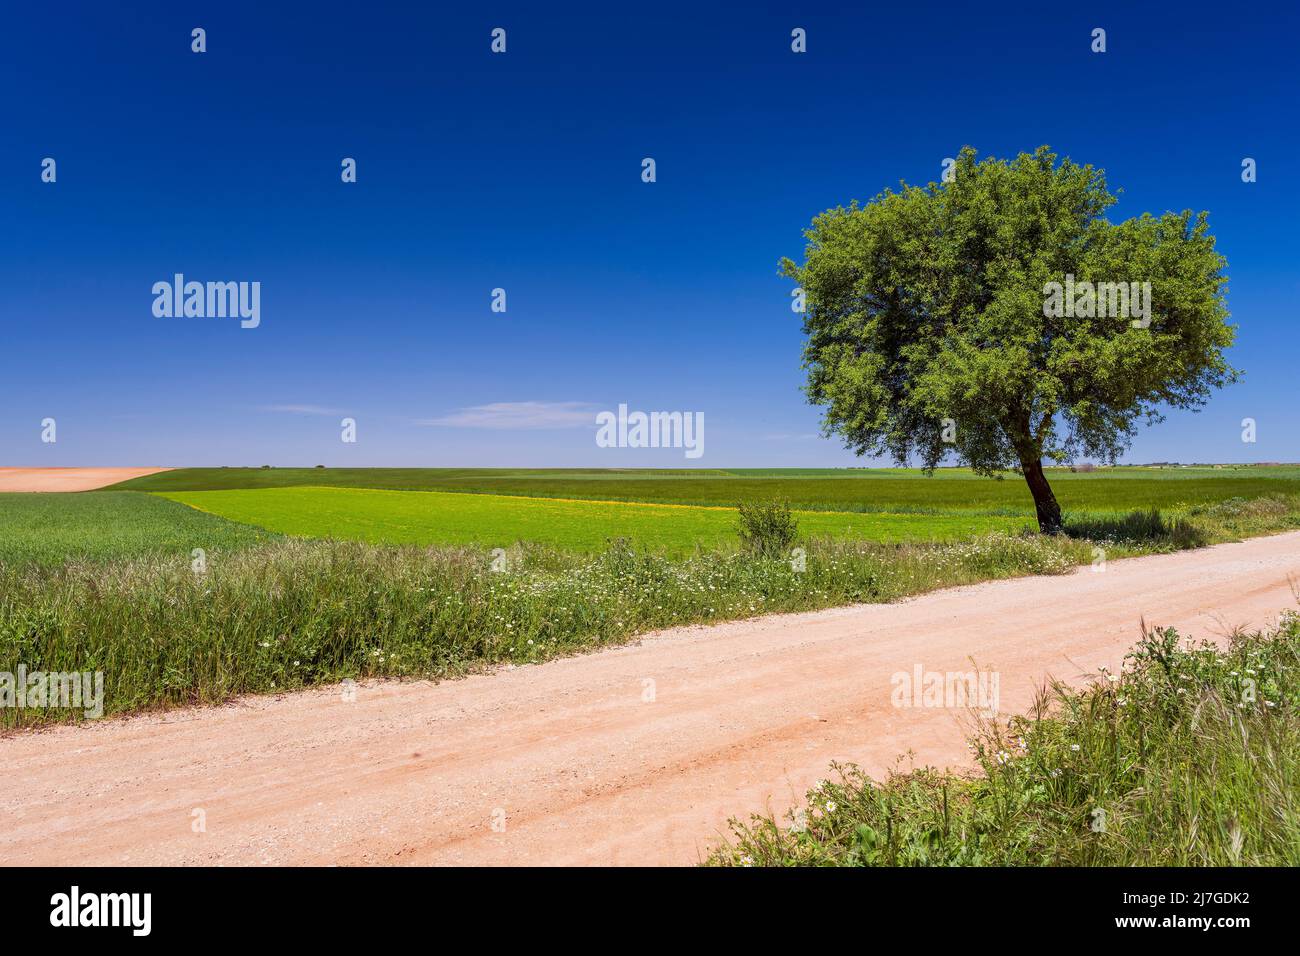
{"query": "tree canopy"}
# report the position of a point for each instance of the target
(1000, 318)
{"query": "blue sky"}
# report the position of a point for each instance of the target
(522, 171)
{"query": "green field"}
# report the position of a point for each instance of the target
(673, 511)
(48, 529)
(431, 517)
(678, 511)
(895, 491)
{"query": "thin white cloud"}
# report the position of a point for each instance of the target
(302, 409)
(519, 415)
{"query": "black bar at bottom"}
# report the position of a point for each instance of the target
(333, 906)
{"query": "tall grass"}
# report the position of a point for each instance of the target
(1189, 757)
(292, 613)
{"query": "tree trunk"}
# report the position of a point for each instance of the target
(1049, 512)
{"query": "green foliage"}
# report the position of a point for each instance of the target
(1190, 757)
(767, 528)
(928, 304)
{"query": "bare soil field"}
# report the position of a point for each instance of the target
(68, 479)
(636, 755)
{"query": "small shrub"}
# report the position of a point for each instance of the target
(767, 528)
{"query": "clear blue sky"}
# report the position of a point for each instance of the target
(522, 171)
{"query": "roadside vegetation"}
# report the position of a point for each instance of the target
(767, 528)
(1188, 757)
(291, 613)
(279, 613)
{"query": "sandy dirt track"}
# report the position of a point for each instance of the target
(581, 767)
(68, 479)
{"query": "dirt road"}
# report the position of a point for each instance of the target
(630, 756)
(68, 479)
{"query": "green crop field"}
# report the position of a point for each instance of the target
(674, 511)
(51, 528)
(431, 517)
(878, 490)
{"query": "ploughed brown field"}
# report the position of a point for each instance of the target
(68, 479)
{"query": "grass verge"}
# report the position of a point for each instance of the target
(290, 613)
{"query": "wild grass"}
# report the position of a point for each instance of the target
(290, 613)
(1189, 757)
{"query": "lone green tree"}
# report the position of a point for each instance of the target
(1001, 319)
